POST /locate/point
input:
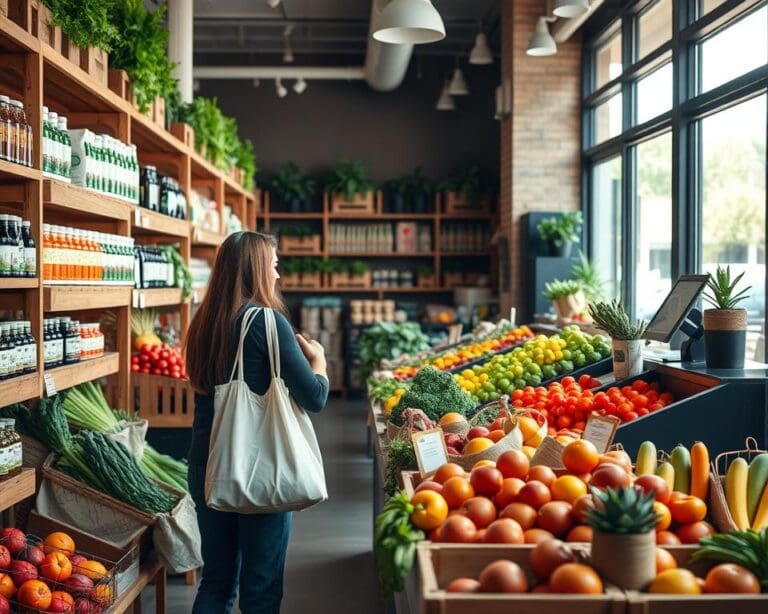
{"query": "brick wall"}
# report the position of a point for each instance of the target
(541, 139)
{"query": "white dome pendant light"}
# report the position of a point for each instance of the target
(282, 92)
(409, 22)
(570, 8)
(300, 85)
(458, 86)
(445, 102)
(542, 43)
(481, 52)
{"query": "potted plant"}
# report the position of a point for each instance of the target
(426, 275)
(725, 326)
(419, 190)
(394, 189)
(561, 232)
(290, 273)
(624, 536)
(466, 189)
(626, 337)
(350, 187)
(586, 273)
(292, 188)
(567, 297)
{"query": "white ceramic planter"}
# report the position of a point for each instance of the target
(627, 358)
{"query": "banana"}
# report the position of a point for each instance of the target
(646, 459)
(736, 492)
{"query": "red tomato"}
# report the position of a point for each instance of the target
(135, 359)
(135, 368)
(156, 371)
(164, 354)
(162, 364)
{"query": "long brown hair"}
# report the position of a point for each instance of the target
(240, 275)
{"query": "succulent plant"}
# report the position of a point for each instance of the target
(721, 289)
(625, 510)
(613, 319)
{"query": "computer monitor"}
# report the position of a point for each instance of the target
(673, 311)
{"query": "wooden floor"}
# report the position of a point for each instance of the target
(330, 566)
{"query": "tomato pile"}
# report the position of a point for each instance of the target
(568, 403)
(159, 360)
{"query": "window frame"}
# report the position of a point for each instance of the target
(682, 120)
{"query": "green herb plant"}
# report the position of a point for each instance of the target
(562, 229)
(748, 548)
(350, 178)
(613, 319)
(394, 542)
(417, 184)
(387, 341)
(87, 23)
(289, 184)
(358, 267)
(722, 293)
(470, 181)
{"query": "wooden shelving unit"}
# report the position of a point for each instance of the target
(19, 389)
(206, 238)
(80, 204)
(19, 283)
(145, 222)
(68, 376)
(76, 298)
(17, 488)
(156, 297)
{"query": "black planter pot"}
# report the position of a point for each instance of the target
(295, 205)
(562, 251)
(398, 203)
(725, 338)
(420, 203)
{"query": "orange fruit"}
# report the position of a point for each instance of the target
(93, 569)
(484, 463)
(496, 435)
(431, 510)
(664, 560)
(580, 456)
(451, 418)
(35, 594)
(456, 490)
(448, 470)
(575, 578)
(675, 581)
(479, 444)
(687, 509)
(7, 587)
(580, 533)
(102, 595)
(59, 542)
(568, 488)
(665, 517)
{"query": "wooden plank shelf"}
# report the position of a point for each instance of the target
(206, 238)
(77, 298)
(10, 171)
(295, 216)
(18, 389)
(81, 203)
(465, 254)
(146, 222)
(400, 217)
(466, 216)
(17, 488)
(382, 254)
(380, 291)
(201, 168)
(150, 137)
(84, 371)
(14, 38)
(18, 283)
(156, 297)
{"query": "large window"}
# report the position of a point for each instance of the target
(675, 125)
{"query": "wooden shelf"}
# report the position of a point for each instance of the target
(202, 169)
(17, 488)
(382, 216)
(77, 298)
(465, 254)
(414, 290)
(379, 291)
(145, 222)
(84, 371)
(81, 203)
(466, 216)
(14, 38)
(150, 137)
(381, 254)
(295, 216)
(18, 389)
(10, 172)
(18, 283)
(206, 238)
(149, 573)
(156, 297)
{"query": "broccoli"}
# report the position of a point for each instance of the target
(434, 392)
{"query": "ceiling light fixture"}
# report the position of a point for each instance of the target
(445, 102)
(542, 43)
(280, 88)
(458, 86)
(273, 4)
(570, 8)
(300, 85)
(288, 54)
(481, 53)
(409, 22)
(256, 83)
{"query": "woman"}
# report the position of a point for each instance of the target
(244, 549)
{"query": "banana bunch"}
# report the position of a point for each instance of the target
(394, 542)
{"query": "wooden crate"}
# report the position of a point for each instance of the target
(310, 280)
(426, 281)
(164, 401)
(120, 83)
(456, 203)
(24, 13)
(300, 246)
(95, 62)
(451, 280)
(290, 281)
(438, 564)
(363, 205)
(69, 50)
(347, 281)
(47, 31)
(184, 132)
(4, 8)
(158, 111)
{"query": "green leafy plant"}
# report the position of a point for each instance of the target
(289, 184)
(394, 541)
(425, 270)
(290, 266)
(562, 229)
(613, 319)
(471, 181)
(394, 187)
(625, 510)
(587, 274)
(140, 48)
(722, 291)
(358, 267)
(560, 289)
(748, 548)
(434, 392)
(350, 178)
(417, 184)
(389, 340)
(87, 23)
(245, 160)
(297, 231)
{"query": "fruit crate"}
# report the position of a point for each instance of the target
(426, 281)
(184, 132)
(596, 369)
(165, 402)
(439, 564)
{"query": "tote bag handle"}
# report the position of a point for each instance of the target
(273, 344)
(248, 319)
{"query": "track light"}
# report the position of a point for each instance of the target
(570, 8)
(280, 88)
(300, 85)
(445, 102)
(256, 83)
(409, 22)
(481, 53)
(288, 52)
(542, 43)
(458, 86)
(273, 4)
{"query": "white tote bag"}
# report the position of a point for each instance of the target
(263, 454)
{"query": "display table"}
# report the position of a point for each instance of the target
(130, 600)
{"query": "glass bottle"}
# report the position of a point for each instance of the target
(66, 149)
(6, 118)
(30, 363)
(5, 352)
(15, 350)
(46, 146)
(13, 246)
(5, 452)
(15, 456)
(6, 246)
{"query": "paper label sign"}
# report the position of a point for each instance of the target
(50, 385)
(430, 450)
(454, 333)
(600, 430)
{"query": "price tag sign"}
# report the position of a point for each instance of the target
(454, 333)
(135, 299)
(50, 385)
(512, 315)
(430, 450)
(600, 430)
(142, 300)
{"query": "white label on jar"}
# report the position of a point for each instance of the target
(4, 363)
(16, 455)
(4, 460)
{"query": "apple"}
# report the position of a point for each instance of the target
(609, 475)
(61, 601)
(429, 485)
(5, 557)
(32, 554)
(13, 539)
(21, 571)
(79, 585)
(655, 484)
(5, 606)
(477, 431)
(83, 606)
(76, 560)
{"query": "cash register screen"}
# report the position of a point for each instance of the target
(675, 307)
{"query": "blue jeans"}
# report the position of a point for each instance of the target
(244, 549)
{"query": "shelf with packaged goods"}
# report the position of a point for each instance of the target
(206, 238)
(68, 376)
(146, 222)
(77, 298)
(295, 216)
(382, 254)
(156, 297)
(400, 217)
(445, 254)
(21, 388)
(18, 283)
(466, 216)
(17, 488)
(379, 291)
(10, 171)
(81, 203)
